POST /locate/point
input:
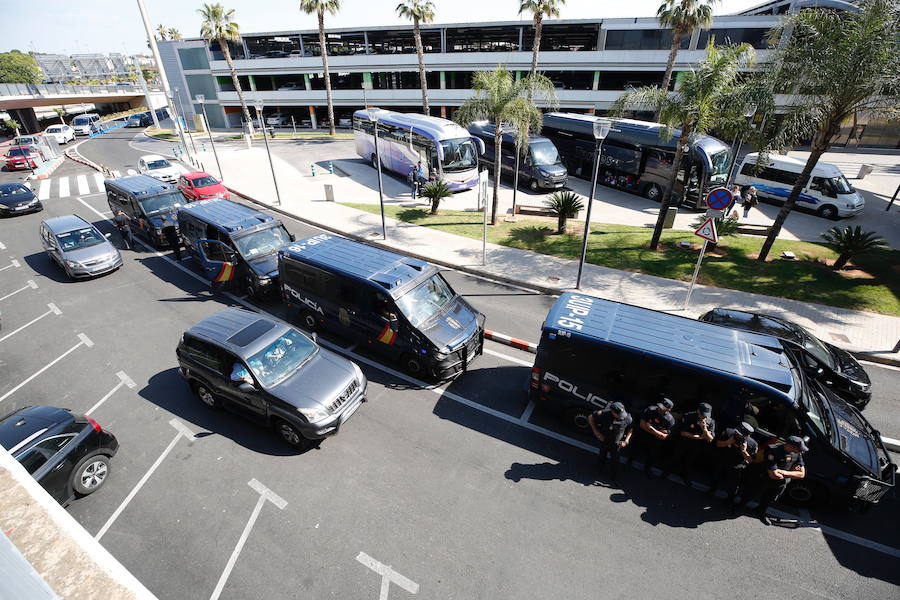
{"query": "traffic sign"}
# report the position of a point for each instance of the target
(719, 199)
(708, 231)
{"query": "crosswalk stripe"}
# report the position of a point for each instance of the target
(83, 188)
(116, 174)
(98, 177)
(63, 187)
(132, 172)
(44, 189)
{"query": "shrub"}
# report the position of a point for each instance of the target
(564, 206)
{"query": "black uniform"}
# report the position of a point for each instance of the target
(646, 445)
(777, 457)
(731, 467)
(124, 228)
(684, 451)
(614, 429)
(171, 235)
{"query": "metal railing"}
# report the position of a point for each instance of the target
(27, 89)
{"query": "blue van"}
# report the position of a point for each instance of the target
(399, 306)
(149, 204)
(593, 352)
(235, 244)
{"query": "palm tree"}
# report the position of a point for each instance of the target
(420, 11)
(174, 34)
(843, 63)
(501, 99)
(709, 97)
(320, 7)
(564, 206)
(61, 113)
(539, 8)
(162, 32)
(436, 191)
(683, 16)
(851, 241)
(218, 25)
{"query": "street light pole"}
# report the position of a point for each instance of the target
(373, 117)
(184, 121)
(749, 111)
(200, 100)
(601, 130)
(259, 116)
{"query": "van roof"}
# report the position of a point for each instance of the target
(228, 216)
(741, 353)
(393, 272)
(488, 129)
(796, 164)
(140, 185)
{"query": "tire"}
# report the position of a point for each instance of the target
(206, 396)
(374, 162)
(805, 494)
(412, 365)
(290, 435)
(828, 212)
(576, 419)
(90, 474)
(252, 294)
(533, 185)
(653, 192)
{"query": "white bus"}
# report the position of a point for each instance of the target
(448, 151)
(828, 192)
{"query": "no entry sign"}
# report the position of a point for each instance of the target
(719, 199)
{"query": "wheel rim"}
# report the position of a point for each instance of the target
(652, 192)
(94, 474)
(289, 434)
(828, 212)
(413, 366)
(206, 396)
(533, 185)
(250, 291)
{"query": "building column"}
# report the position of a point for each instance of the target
(307, 82)
(443, 112)
(443, 80)
(312, 117)
(25, 117)
(252, 82)
(596, 85)
(695, 37)
(591, 110)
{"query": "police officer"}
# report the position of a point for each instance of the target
(784, 462)
(735, 450)
(654, 427)
(612, 427)
(171, 234)
(691, 437)
(124, 228)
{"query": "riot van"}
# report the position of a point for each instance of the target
(235, 245)
(399, 307)
(149, 204)
(594, 351)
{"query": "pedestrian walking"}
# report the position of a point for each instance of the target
(654, 427)
(735, 197)
(784, 463)
(124, 227)
(735, 450)
(413, 179)
(690, 438)
(612, 428)
(749, 200)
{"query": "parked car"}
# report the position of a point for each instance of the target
(17, 199)
(21, 157)
(201, 186)
(86, 124)
(78, 247)
(271, 373)
(139, 120)
(833, 367)
(67, 454)
(291, 85)
(33, 141)
(278, 121)
(158, 167)
(61, 134)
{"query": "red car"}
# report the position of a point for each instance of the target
(21, 157)
(201, 186)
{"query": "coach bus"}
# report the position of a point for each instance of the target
(637, 157)
(447, 151)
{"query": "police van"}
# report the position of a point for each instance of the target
(593, 352)
(149, 204)
(236, 245)
(827, 193)
(398, 306)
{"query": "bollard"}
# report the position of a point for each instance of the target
(202, 147)
(331, 167)
(313, 170)
(329, 192)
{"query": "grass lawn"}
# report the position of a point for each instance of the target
(871, 282)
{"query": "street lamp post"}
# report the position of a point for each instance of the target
(373, 117)
(259, 116)
(184, 120)
(738, 143)
(601, 130)
(200, 98)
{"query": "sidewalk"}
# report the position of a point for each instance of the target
(247, 172)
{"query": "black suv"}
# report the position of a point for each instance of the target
(269, 372)
(68, 455)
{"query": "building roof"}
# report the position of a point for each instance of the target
(229, 216)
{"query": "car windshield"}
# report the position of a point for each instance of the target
(161, 204)
(281, 358)
(425, 300)
(204, 181)
(815, 347)
(54, 129)
(79, 238)
(81, 121)
(841, 185)
(17, 152)
(16, 189)
(459, 154)
(262, 242)
(544, 153)
(158, 164)
(816, 405)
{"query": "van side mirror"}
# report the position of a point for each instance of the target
(246, 387)
(109, 235)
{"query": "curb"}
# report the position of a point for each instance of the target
(502, 338)
(877, 358)
(891, 444)
(45, 171)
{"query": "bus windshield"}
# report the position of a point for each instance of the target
(841, 185)
(720, 162)
(163, 203)
(262, 243)
(425, 300)
(459, 154)
(544, 153)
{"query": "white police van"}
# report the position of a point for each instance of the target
(828, 192)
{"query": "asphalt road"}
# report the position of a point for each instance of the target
(451, 487)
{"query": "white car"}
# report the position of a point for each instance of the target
(156, 166)
(278, 121)
(62, 134)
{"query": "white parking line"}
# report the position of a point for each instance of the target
(53, 311)
(388, 576)
(28, 284)
(182, 432)
(13, 265)
(83, 187)
(44, 190)
(123, 380)
(511, 359)
(84, 342)
(63, 187)
(528, 410)
(264, 494)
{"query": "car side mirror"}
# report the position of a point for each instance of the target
(246, 387)
(109, 235)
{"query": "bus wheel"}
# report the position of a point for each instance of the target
(577, 419)
(653, 192)
(308, 318)
(828, 212)
(805, 494)
(374, 161)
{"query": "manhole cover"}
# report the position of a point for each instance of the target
(839, 337)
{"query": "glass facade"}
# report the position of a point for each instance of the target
(193, 58)
(483, 39)
(563, 38)
(642, 39)
(402, 42)
(757, 37)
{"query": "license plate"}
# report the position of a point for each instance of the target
(557, 185)
(21, 207)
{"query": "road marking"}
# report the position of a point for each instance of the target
(13, 265)
(28, 284)
(53, 311)
(83, 185)
(131, 172)
(123, 380)
(116, 174)
(528, 410)
(63, 187)
(2, 247)
(44, 190)
(99, 179)
(84, 342)
(182, 432)
(264, 494)
(388, 576)
(880, 365)
(511, 359)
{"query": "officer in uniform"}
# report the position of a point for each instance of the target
(612, 427)
(784, 462)
(124, 228)
(691, 437)
(655, 425)
(734, 453)
(170, 232)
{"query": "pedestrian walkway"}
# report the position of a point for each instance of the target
(73, 185)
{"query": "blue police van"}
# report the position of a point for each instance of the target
(398, 306)
(236, 245)
(149, 204)
(594, 351)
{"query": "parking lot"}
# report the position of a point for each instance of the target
(456, 491)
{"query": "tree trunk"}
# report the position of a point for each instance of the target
(536, 47)
(561, 225)
(842, 261)
(223, 43)
(420, 51)
(498, 140)
(434, 205)
(673, 52)
(324, 49)
(667, 196)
